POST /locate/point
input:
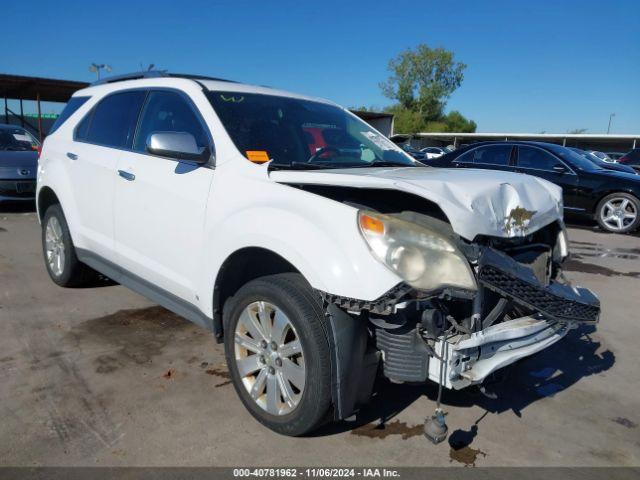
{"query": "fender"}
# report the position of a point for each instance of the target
(326, 249)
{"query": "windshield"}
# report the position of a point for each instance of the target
(18, 139)
(296, 133)
(575, 159)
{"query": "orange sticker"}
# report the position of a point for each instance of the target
(257, 156)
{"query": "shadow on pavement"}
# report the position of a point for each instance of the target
(17, 207)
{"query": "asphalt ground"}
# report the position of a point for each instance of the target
(101, 376)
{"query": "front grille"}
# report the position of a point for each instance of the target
(17, 188)
(536, 297)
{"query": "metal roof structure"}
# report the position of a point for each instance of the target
(602, 141)
(37, 88)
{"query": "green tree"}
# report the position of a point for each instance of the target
(423, 79)
(578, 130)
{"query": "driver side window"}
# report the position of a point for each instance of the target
(168, 112)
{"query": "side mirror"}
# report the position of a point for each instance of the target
(178, 145)
(559, 168)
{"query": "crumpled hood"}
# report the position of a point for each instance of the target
(476, 202)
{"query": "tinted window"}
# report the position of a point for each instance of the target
(529, 157)
(114, 119)
(70, 108)
(489, 155)
(168, 112)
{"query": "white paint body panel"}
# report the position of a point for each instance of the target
(175, 230)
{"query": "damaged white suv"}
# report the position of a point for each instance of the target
(304, 239)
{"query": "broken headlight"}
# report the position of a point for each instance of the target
(422, 257)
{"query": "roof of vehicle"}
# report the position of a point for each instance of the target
(163, 78)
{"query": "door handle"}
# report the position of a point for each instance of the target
(72, 156)
(126, 175)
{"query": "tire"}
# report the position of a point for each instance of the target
(69, 271)
(618, 213)
(279, 299)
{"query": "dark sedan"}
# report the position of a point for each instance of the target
(18, 164)
(610, 197)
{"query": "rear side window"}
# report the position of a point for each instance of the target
(529, 157)
(70, 108)
(112, 122)
(168, 112)
(490, 155)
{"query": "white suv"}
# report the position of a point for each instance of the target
(304, 239)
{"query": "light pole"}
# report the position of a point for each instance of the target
(95, 68)
(609, 127)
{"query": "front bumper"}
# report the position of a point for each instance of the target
(18, 189)
(469, 360)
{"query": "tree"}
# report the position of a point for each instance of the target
(423, 79)
(578, 130)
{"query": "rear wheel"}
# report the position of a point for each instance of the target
(618, 213)
(278, 353)
(59, 253)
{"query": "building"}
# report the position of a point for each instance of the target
(383, 122)
(587, 141)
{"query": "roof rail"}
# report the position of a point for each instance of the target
(154, 74)
(131, 76)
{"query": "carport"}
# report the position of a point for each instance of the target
(17, 87)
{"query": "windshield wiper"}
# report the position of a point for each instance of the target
(302, 166)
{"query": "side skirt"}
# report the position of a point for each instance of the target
(146, 289)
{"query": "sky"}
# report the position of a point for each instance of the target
(532, 66)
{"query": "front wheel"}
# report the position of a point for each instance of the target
(278, 353)
(618, 213)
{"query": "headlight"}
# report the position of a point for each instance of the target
(423, 258)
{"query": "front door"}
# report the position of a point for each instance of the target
(160, 203)
(540, 163)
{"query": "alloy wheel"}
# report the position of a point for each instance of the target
(618, 213)
(54, 246)
(269, 358)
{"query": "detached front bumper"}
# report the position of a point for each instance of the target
(470, 358)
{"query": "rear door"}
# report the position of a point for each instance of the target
(160, 202)
(99, 140)
(541, 163)
(491, 157)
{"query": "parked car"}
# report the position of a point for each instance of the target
(434, 152)
(615, 156)
(631, 158)
(602, 164)
(417, 154)
(18, 164)
(601, 155)
(610, 197)
(313, 260)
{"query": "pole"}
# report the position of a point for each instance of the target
(21, 115)
(39, 117)
(6, 110)
(609, 127)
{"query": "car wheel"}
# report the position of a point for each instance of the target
(277, 351)
(59, 253)
(618, 213)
